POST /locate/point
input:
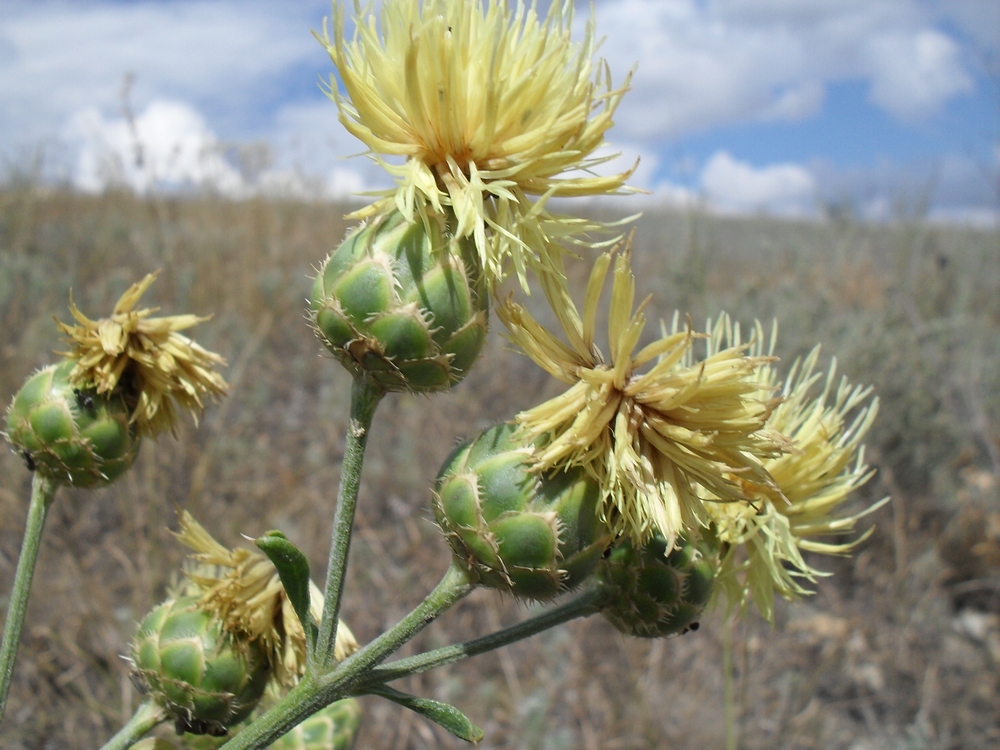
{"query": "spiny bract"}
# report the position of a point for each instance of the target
(656, 594)
(189, 664)
(403, 304)
(517, 531)
(72, 435)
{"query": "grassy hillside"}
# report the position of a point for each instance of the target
(899, 649)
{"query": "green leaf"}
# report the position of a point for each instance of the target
(442, 714)
(293, 569)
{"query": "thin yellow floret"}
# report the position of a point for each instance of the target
(765, 541)
(657, 430)
(242, 588)
(486, 105)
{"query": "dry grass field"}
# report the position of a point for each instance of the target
(900, 648)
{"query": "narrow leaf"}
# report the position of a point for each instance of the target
(440, 713)
(293, 569)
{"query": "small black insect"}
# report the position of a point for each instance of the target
(691, 628)
(28, 460)
(84, 400)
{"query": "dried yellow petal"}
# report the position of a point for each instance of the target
(657, 438)
(243, 589)
(157, 369)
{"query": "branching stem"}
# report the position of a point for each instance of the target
(315, 692)
(584, 605)
(145, 718)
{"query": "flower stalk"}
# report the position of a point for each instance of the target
(146, 717)
(585, 604)
(43, 491)
(365, 397)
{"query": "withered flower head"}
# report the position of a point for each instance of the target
(655, 427)
(493, 111)
(158, 370)
(243, 589)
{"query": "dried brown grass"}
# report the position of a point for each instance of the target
(884, 656)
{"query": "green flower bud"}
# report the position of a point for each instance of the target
(652, 593)
(403, 304)
(71, 435)
(205, 741)
(517, 531)
(332, 728)
(205, 678)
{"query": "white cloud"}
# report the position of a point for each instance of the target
(227, 58)
(309, 138)
(979, 19)
(733, 186)
(346, 183)
(677, 196)
(794, 103)
(167, 144)
(704, 64)
(913, 75)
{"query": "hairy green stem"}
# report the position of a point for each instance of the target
(314, 692)
(453, 586)
(43, 490)
(728, 694)
(584, 605)
(365, 397)
(147, 716)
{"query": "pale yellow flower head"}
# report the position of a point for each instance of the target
(242, 588)
(493, 110)
(825, 425)
(156, 368)
(659, 430)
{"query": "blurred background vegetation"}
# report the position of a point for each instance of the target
(899, 648)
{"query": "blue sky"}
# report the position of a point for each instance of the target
(776, 106)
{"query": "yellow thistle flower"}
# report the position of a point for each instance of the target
(242, 588)
(157, 368)
(653, 437)
(486, 107)
(825, 464)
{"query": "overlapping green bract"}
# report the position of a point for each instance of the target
(332, 728)
(530, 535)
(72, 435)
(658, 594)
(188, 663)
(403, 304)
